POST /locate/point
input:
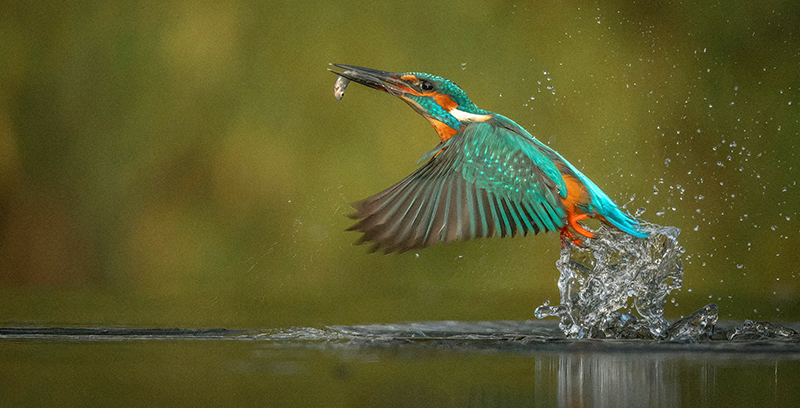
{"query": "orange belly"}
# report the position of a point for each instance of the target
(577, 195)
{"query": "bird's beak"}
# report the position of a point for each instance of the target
(388, 82)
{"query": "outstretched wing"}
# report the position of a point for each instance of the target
(488, 180)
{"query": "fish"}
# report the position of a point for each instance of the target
(339, 87)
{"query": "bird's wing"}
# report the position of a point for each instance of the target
(488, 180)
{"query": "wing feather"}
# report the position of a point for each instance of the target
(488, 180)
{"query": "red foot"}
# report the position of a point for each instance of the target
(566, 234)
(572, 222)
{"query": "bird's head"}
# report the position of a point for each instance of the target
(439, 100)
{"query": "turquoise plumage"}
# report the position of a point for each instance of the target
(487, 177)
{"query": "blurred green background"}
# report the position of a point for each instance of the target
(184, 163)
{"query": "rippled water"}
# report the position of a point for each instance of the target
(695, 333)
(498, 335)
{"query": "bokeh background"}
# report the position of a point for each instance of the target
(184, 163)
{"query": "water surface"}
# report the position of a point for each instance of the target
(437, 364)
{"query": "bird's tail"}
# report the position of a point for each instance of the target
(623, 221)
(608, 210)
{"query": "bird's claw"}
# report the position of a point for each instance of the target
(566, 234)
(572, 222)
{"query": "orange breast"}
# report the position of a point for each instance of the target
(445, 132)
(576, 194)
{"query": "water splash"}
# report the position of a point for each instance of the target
(752, 330)
(698, 326)
(612, 272)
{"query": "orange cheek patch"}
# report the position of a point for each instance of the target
(445, 101)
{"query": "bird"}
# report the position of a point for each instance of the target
(487, 177)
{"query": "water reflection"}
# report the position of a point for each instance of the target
(665, 380)
(617, 380)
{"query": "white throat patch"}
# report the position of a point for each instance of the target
(469, 117)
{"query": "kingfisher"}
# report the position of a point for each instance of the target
(488, 176)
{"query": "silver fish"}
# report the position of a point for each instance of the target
(339, 87)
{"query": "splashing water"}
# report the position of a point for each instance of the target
(752, 330)
(695, 327)
(616, 271)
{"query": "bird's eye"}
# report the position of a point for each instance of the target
(426, 86)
